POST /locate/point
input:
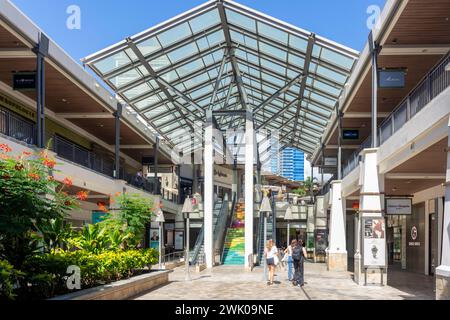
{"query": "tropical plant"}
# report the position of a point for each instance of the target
(29, 197)
(8, 278)
(93, 238)
(133, 213)
(54, 233)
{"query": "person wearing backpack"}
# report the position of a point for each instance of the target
(298, 257)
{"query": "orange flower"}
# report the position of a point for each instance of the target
(5, 148)
(68, 182)
(3, 156)
(102, 207)
(51, 178)
(82, 195)
(118, 194)
(49, 163)
(26, 154)
(34, 176)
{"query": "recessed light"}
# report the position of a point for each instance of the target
(64, 100)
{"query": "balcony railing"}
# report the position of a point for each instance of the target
(15, 126)
(435, 82)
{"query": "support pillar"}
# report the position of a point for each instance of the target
(235, 182)
(249, 188)
(371, 206)
(208, 190)
(337, 251)
(443, 271)
(117, 116)
(41, 52)
(156, 189)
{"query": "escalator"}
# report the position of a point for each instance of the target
(261, 240)
(220, 213)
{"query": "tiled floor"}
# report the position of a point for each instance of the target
(233, 283)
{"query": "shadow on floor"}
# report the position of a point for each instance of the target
(416, 285)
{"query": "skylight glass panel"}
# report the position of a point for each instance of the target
(337, 59)
(246, 56)
(272, 33)
(332, 75)
(273, 80)
(167, 118)
(137, 91)
(205, 21)
(174, 34)
(183, 52)
(196, 80)
(271, 50)
(298, 43)
(202, 91)
(273, 67)
(170, 76)
(125, 78)
(160, 63)
(296, 61)
(156, 112)
(149, 46)
(326, 88)
(190, 67)
(113, 62)
(215, 38)
(147, 102)
(240, 20)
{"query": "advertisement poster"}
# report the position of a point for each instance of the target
(321, 241)
(154, 238)
(374, 242)
(179, 240)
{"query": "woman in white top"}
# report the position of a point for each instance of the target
(288, 251)
(270, 253)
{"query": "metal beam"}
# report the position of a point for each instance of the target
(276, 115)
(117, 115)
(237, 73)
(309, 49)
(280, 91)
(415, 176)
(363, 115)
(17, 53)
(218, 80)
(94, 115)
(163, 85)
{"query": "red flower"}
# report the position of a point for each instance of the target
(34, 176)
(82, 195)
(5, 147)
(26, 154)
(68, 182)
(49, 163)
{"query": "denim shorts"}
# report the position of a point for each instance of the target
(270, 262)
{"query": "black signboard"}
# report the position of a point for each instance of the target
(24, 81)
(350, 134)
(391, 79)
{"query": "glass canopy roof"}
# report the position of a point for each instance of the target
(224, 56)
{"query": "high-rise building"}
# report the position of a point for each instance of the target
(292, 164)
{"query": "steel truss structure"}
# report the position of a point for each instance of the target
(223, 56)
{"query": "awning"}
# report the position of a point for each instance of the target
(228, 57)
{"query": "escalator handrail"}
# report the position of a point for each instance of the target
(221, 226)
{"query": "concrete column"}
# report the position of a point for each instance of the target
(249, 168)
(337, 251)
(209, 191)
(234, 183)
(443, 271)
(370, 205)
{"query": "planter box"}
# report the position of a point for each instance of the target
(121, 290)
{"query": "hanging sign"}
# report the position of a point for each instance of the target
(350, 134)
(398, 206)
(374, 242)
(24, 81)
(391, 79)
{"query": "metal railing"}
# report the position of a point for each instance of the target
(173, 256)
(434, 83)
(15, 126)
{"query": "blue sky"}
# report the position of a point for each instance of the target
(105, 22)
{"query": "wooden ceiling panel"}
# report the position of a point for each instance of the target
(423, 22)
(9, 41)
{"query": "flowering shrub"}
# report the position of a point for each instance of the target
(96, 269)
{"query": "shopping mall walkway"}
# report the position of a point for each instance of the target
(232, 283)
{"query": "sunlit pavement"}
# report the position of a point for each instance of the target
(233, 283)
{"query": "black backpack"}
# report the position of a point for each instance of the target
(297, 252)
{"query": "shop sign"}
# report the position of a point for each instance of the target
(374, 242)
(330, 162)
(350, 134)
(391, 79)
(399, 206)
(24, 81)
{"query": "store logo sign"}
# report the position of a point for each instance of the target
(414, 233)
